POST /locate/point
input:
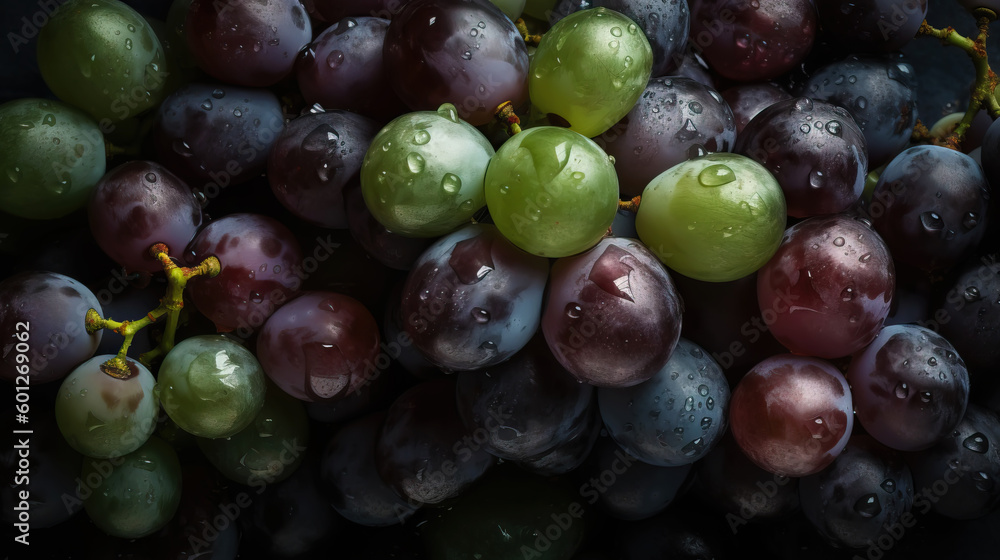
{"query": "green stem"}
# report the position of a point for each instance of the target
(170, 306)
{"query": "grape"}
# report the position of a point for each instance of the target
(314, 160)
(336, 10)
(472, 299)
(828, 289)
(814, 149)
(463, 52)
(737, 486)
(551, 191)
(870, 25)
(639, 490)
(672, 117)
(930, 206)
(881, 95)
(864, 490)
(756, 40)
(910, 387)
(968, 460)
(343, 69)
(971, 320)
(589, 69)
(269, 449)
(51, 157)
(573, 451)
(211, 369)
(247, 44)
(613, 316)
(424, 452)
(423, 173)
(391, 249)
(792, 415)
(675, 417)
(102, 416)
(320, 346)
(137, 205)
(715, 218)
(747, 100)
(527, 406)
(137, 494)
(260, 271)
(214, 136)
(102, 56)
(351, 481)
(44, 312)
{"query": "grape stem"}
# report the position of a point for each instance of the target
(981, 96)
(170, 306)
(508, 118)
(529, 39)
(630, 205)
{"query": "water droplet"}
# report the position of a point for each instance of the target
(847, 294)
(977, 442)
(983, 481)
(688, 133)
(489, 346)
(902, 391)
(448, 111)
(689, 404)
(256, 297)
(816, 179)
(865, 257)
(480, 315)
(451, 183)
(151, 177)
(128, 44)
(181, 148)
(716, 175)
(467, 55)
(889, 485)
(695, 107)
(335, 59)
(868, 506)
(237, 113)
(925, 396)
(415, 162)
(573, 310)
(804, 128)
(971, 220)
(14, 174)
(218, 93)
(710, 403)
(932, 361)
(706, 423)
(421, 137)
(971, 294)
(931, 221)
(834, 128)
(804, 104)
(703, 390)
(504, 189)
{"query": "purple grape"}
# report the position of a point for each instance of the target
(910, 387)
(675, 417)
(814, 149)
(745, 491)
(424, 451)
(673, 116)
(971, 319)
(314, 159)
(391, 249)
(260, 271)
(572, 453)
(870, 25)
(747, 100)
(336, 10)
(247, 43)
(613, 316)
(137, 205)
(431, 41)
(43, 314)
(343, 69)
(526, 406)
(930, 206)
(665, 23)
(473, 299)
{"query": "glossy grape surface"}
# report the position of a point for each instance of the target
(551, 191)
(51, 157)
(138, 204)
(44, 312)
(747, 100)
(431, 41)
(972, 320)
(828, 289)
(472, 299)
(871, 25)
(320, 346)
(211, 386)
(910, 387)
(590, 68)
(814, 149)
(714, 218)
(137, 494)
(247, 43)
(261, 270)
(102, 56)
(423, 173)
(674, 418)
(102, 416)
(391, 249)
(612, 317)
(792, 415)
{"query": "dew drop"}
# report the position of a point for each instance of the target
(689, 404)
(804, 104)
(932, 361)
(925, 396)
(816, 179)
(706, 423)
(255, 297)
(838, 242)
(218, 93)
(834, 128)
(931, 221)
(573, 310)
(335, 59)
(982, 481)
(847, 294)
(716, 175)
(861, 102)
(489, 346)
(448, 111)
(971, 294)
(207, 105)
(865, 257)
(902, 391)
(889, 485)
(977, 443)
(868, 506)
(694, 447)
(970, 220)
(804, 128)
(480, 315)
(421, 137)
(451, 183)
(128, 44)
(695, 107)
(415, 162)
(237, 113)
(151, 177)
(710, 403)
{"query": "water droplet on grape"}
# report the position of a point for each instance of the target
(931, 221)
(128, 44)
(694, 447)
(868, 506)
(971, 294)
(467, 55)
(255, 297)
(982, 481)
(865, 257)
(480, 315)
(889, 485)
(902, 391)
(688, 132)
(847, 294)
(925, 396)
(838, 242)
(628, 427)
(448, 111)
(816, 179)
(415, 162)
(971, 220)
(695, 107)
(689, 404)
(489, 346)
(451, 183)
(861, 103)
(421, 137)
(616, 31)
(716, 175)
(218, 93)
(804, 128)
(977, 443)
(237, 113)
(834, 128)
(335, 59)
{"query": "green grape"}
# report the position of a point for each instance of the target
(103, 416)
(423, 173)
(551, 191)
(511, 8)
(511, 515)
(135, 495)
(269, 449)
(211, 386)
(102, 56)
(590, 69)
(51, 158)
(715, 218)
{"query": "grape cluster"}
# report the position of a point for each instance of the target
(496, 279)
